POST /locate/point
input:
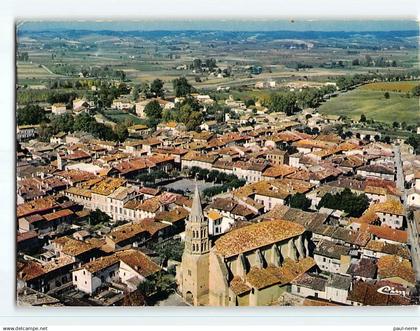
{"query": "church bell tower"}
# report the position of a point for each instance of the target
(193, 277)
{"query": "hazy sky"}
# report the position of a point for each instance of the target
(232, 24)
(214, 8)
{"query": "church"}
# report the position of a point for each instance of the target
(249, 266)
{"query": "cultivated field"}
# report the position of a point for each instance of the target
(375, 106)
(31, 71)
(405, 86)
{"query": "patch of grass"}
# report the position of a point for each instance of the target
(374, 105)
(120, 117)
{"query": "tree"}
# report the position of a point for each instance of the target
(83, 122)
(395, 125)
(300, 201)
(153, 110)
(45, 132)
(196, 65)
(98, 217)
(414, 141)
(386, 95)
(283, 102)
(62, 123)
(147, 287)
(181, 87)
(249, 102)
(167, 115)
(416, 91)
(363, 118)
(194, 121)
(67, 97)
(30, 115)
(145, 90)
(368, 60)
(156, 88)
(159, 284)
(135, 92)
(170, 250)
(351, 203)
(121, 132)
(211, 64)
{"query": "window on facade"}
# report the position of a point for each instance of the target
(189, 272)
(75, 278)
(298, 290)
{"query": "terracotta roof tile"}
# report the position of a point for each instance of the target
(390, 266)
(256, 235)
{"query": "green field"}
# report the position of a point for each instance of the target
(33, 71)
(375, 106)
(120, 117)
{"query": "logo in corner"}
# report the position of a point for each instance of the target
(390, 290)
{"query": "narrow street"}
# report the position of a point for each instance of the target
(413, 236)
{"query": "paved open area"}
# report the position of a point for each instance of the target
(188, 185)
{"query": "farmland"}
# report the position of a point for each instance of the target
(374, 105)
(33, 75)
(405, 86)
(302, 59)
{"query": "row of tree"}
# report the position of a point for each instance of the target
(82, 122)
(198, 65)
(146, 90)
(352, 203)
(291, 102)
(368, 61)
(227, 182)
(187, 112)
(347, 82)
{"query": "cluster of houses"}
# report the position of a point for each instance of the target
(243, 246)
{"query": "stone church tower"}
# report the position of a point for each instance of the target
(193, 275)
